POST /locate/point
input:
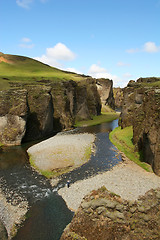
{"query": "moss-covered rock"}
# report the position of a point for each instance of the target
(141, 109)
(105, 215)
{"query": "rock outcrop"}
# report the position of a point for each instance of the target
(34, 111)
(105, 89)
(105, 215)
(118, 97)
(141, 109)
(13, 116)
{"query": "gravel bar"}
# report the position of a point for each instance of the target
(61, 151)
(125, 179)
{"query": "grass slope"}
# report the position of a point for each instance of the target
(122, 139)
(104, 117)
(27, 70)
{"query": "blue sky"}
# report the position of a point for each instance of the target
(116, 39)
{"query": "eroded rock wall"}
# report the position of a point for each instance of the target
(13, 116)
(105, 89)
(30, 112)
(141, 109)
(105, 215)
(146, 128)
(118, 97)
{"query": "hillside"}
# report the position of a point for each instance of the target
(19, 69)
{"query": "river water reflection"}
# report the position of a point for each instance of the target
(48, 213)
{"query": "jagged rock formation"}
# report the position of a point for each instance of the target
(105, 89)
(118, 96)
(32, 111)
(141, 108)
(105, 215)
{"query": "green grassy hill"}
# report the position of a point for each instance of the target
(19, 69)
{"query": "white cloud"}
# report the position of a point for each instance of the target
(122, 64)
(151, 47)
(132, 50)
(56, 55)
(26, 43)
(73, 70)
(24, 3)
(26, 40)
(127, 75)
(29, 46)
(60, 52)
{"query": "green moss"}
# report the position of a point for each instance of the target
(104, 117)
(123, 140)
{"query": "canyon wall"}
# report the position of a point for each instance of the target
(34, 111)
(105, 90)
(141, 109)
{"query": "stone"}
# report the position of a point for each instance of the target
(13, 116)
(141, 109)
(3, 232)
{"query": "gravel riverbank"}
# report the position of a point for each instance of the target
(12, 214)
(62, 151)
(125, 179)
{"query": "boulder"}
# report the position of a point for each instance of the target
(13, 116)
(105, 215)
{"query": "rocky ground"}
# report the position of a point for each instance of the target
(125, 207)
(12, 214)
(126, 179)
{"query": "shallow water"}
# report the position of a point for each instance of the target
(49, 214)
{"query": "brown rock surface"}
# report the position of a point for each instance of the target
(13, 115)
(141, 108)
(106, 215)
(105, 89)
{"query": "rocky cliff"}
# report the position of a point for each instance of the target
(33, 111)
(105, 90)
(105, 215)
(118, 96)
(141, 108)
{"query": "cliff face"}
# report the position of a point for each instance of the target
(13, 115)
(118, 96)
(141, 108)
(105, 215)
(105, 89)
(32, 111)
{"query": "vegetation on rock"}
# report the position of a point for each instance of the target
(123, 140)
(105, 215)
(141, 109)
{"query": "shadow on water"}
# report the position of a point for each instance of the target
(48, 214)
(46, 220)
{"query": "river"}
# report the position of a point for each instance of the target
(48, 214)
